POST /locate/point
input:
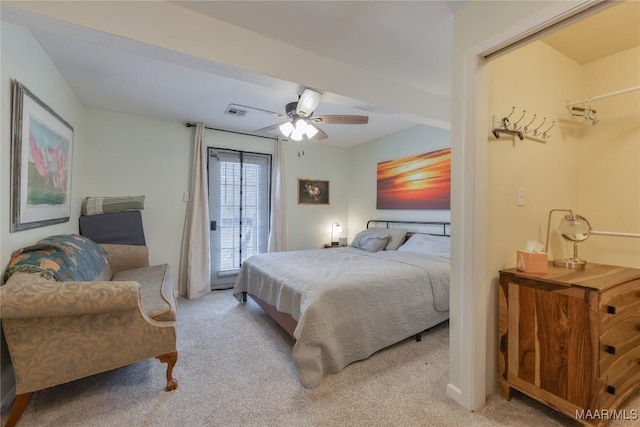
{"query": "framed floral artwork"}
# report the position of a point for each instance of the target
(41, 155)
(313, 192)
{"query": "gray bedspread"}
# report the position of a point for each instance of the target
(348, 303)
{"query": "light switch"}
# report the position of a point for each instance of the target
(497, 122)
(185, 196)
(520, 196)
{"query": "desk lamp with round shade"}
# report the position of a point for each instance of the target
(575, 229)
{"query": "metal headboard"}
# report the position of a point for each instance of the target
(446, 226)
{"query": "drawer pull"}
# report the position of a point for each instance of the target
(611, 390)
(610, 349)
(611, 309)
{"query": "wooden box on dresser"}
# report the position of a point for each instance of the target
(571, 339)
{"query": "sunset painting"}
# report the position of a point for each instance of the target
(422, 181)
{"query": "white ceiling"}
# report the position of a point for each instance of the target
(410, 41)
(407, 41)
(610, 31)
(408, 38)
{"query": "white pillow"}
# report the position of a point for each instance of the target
(439, 246)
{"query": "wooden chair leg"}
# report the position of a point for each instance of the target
(170, 359)
(19, 405)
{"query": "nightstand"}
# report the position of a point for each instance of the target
(571, 338)
(335, 246)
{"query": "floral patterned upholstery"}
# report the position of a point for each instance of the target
(59, 331)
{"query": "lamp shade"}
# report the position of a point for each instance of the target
(574, 228)
(336, 229)
(311, 130)
(286, 128)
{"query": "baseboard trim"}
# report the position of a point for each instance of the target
(8, 399)
(455, 393)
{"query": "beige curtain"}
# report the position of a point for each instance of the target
(278, 234)
(195, 261)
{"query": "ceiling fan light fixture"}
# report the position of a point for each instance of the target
(308, 102)
(286, 128)
(296, 135)
(311, 130)
(301, 126)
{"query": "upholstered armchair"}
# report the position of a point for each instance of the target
(60, 331)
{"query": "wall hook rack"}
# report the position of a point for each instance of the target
(531, 131)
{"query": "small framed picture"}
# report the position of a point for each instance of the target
(41, 151)
(313, 192)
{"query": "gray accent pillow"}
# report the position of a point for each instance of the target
(396, 238)
(372, 240)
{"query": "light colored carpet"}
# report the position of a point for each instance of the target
(235, 369)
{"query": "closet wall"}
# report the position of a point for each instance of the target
(591, 169)
(609, 160)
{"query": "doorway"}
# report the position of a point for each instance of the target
(471, 352)
(239, 203)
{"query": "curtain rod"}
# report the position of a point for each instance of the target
(606, 95)
(615, 234)
(189, 125)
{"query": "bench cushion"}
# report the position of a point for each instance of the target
(156, 290)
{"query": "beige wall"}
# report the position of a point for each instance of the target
(593, 170)
(363, 160)
(609, 160)
(128, 155)
(538, 79)
(24, 60)
(310, 225)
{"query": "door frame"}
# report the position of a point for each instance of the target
(469, 313)
(216, 280)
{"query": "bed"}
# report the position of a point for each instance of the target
(343, 304)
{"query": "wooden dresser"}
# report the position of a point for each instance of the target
(571, 339)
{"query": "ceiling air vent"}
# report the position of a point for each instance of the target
(235, 111)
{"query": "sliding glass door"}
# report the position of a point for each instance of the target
(239, 191)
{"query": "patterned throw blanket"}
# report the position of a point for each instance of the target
(61, 258)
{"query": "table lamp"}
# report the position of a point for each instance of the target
(575, 229)
(335, 227)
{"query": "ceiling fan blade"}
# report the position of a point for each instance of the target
(241, 107)
(320, 135)
(341, 120)
(308, 102)
(268, 128)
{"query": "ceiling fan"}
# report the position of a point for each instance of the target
(302, 123)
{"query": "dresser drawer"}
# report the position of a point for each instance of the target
(620, 379)
(618, 302)
(618, 340)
